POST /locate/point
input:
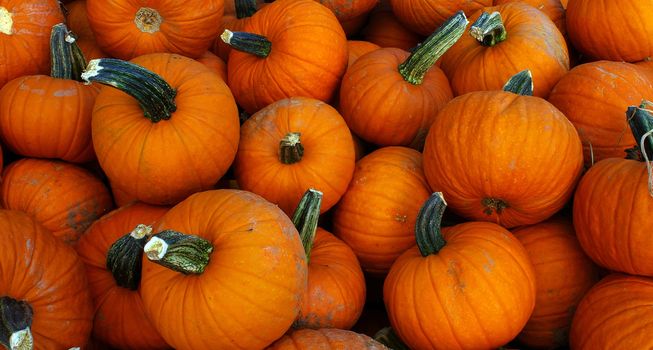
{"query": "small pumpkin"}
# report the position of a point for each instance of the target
(357, 48)
(385, 30)
(424, 16)
(215, 63)
(325, 339)
(552, 8)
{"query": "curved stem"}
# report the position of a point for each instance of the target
(187, 254)
(66, 58)
(520, 83)
(640, 121)
(15, 324)
(254, 44)
(245, 8)
(428, 52)
(488, 29)
(290, 148)
(306, 218)
(125, 257)
(427, 227)
(155, 96)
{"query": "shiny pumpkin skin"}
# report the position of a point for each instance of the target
(552, 8)
(46, 273)
(564, 273)
(357, 48)
(614, 314)
(328, 157)
(325, 339)
(490, 146)
(162, 163)
(254, 281)
(120, 320)
(475, 293)
(595, 96)
(376, 216)
(533, 42)
(62, 197)
(186, 28)
(296, 65)
(424, 16)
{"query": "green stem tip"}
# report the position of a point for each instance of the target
(187, 254)
(306, 218)
(125, 257)
(520, 83)
(66, 58)
(488, 29)
(251, 43)
(427, 226)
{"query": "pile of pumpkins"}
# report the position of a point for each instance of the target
(333, 174)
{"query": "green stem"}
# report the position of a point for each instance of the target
(15, 324)
(187, 254)
(245, 8)
(291, 150)
(306, 218)
(254, 44)
(414, 68)
(389, 338)
(520, 83)
(125, 257)
(155, 96)
(427, 227)
(488, 29)
(641, 124)
(66, 58)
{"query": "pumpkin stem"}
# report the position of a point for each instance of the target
(640, 120)
(251, 43)
(488, 29)
(148, 20)
(187, 254)
(427, 227)
(291, 150)
(155, 96)
(6, 21)
(125, 257)
(389, 338)
(15, 323)
(245, 8)
(520, 83)
(494, 205)
(306, 217)
(414, 68)
(66, 58)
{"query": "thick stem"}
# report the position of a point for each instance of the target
(427, 227)
(6, 21)
(155, 96)
(494, 205)
(306, 218)
(488, 29)
(291, 150)
(414, 68)
(15, 322)
(520, 83)
(66, 58)
(187, 254)
(148, 20)
(640, 121)
(389, 338)
(245, 8)
(125, 257)
(254, 44)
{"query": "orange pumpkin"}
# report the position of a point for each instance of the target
(325, 339)
(385, 30)
(215, 63)
(347, 9)
(357, 48)
(77, 21)
(552, 8)
(423, 16)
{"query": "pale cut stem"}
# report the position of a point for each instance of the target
(22, 340)
(6, 21)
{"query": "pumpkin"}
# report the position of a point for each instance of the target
(389, 96)
(376, 215)
(424, 16)
(50, 116)
(348, 9)
(502, 41)
(325, 339)
(594, 96)
(112, 294)
(44, 297)
(77, 21)
(385, 30)
(25, 36)
(615, 314)
(292, 145)
(612, 205)
(563, 273)
(127, 29)
(292, 48)
(468, 286)
(552, 8)
(215, 63)
(357, 48)
(335, 295)
(611, 31)
(241, 258)
(62, 197)
(174, 132)
(502, 156)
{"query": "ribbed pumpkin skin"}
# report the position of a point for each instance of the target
(424, 16)
(476, 293)
(615, 314)
(612, 218)
(357, 48)
(327, 164)
(45, 117)
(385, 30)
(120, 319)
(214, 63)
(162, 163)
(250, 292)
(376, 216)
(564, 273)
(608, 30)
(77, 22)
(349, 9)
(62, 197)
(187, 28)
(325, 339)
(336, 286)
(533, 42)
(25, 46)
(595, 97)
(40, 269)
(308, 55)
(552, 8)
(498, 145)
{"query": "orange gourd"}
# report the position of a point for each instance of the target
(423, 16)
(325, 339)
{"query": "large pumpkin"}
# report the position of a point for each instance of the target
(325, 339)
(423, 16)
(552, 8)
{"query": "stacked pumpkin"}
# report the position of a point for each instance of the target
(240, 174)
